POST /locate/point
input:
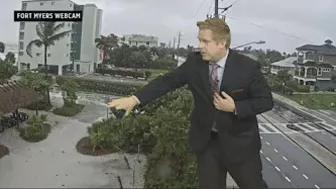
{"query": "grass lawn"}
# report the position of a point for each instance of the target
(313, 101)
(69, 110)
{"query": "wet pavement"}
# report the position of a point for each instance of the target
(54, 162)
(290, 158)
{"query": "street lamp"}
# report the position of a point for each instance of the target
(250, 43)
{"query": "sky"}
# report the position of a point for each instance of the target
(282, 24)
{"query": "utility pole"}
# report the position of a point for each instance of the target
(216, 8)
(219, 8)
(179, 40)
(174, 41)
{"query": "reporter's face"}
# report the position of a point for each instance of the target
(209, 48)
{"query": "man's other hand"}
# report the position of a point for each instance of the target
(225, 104)
(126, 103)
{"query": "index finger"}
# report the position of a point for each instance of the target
(111, 104)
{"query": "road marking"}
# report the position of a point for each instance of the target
(317, 186)
(308, 127)
(305, 176)
(277, 168)
(323, 111)
(268, 159)
(275, 150)
(267, 143)
(288, 179)
(284, 158)
(295, 167)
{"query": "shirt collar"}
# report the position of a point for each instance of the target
(222, 61)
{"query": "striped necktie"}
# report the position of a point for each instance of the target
(214, 78)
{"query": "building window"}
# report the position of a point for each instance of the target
(309, 56)
(326, 69)
(49, 54)
(24, 6)
(21, 45)
(319, 72)
(52, 3)
(20, 53)
(38, 54)
(70, 5)
(22, 25)
(67, 55)
(21, 36)
(321, 58)
(41, 4)
(68, 24)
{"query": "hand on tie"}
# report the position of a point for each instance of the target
(225, 104)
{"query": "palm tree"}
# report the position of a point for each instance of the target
(106, 44)
(48, 33)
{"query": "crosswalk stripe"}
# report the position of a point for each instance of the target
(306, 127)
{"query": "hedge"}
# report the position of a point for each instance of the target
(124, 73)
(164, 129)
(116, 88)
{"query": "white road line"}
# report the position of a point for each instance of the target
(317, 116)
(277, 168)
(268, 159)
(267, 143)
(323, 111)
(261, 151)
(311, 128)
(287, 179)
(317, 186)
(305, 176)
(275, 150)
(295, 167)
(284, 158)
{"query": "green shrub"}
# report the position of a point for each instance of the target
(164, 128)
(68, 109)
(124, 72)
(34, 130)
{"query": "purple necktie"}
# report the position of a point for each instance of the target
(214, 78)
(214, 85)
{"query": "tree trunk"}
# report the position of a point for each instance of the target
(46, 70)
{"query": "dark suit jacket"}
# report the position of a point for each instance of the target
(242, 80)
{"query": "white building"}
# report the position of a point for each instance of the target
(138, 40)
(285, 64)
(78, 49)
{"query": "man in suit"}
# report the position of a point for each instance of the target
(229, 90)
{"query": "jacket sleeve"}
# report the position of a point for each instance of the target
(260, 96)
(164, 84)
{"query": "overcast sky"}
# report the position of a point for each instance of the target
(283, 24)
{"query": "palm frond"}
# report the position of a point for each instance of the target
(39, 31)
(57, 28)
(57, 37)
(36, 42)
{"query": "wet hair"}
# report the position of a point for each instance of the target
(220, 30)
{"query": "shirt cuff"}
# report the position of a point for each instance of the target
(136, 98)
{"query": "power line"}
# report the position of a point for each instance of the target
(199, 8)
(269, 28)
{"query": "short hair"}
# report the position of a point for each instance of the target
(219, 28)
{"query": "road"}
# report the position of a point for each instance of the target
(285, 165)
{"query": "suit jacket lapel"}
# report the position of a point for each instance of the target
(205, 77)
(228, 71)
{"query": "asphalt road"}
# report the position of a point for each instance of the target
(285, 164)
